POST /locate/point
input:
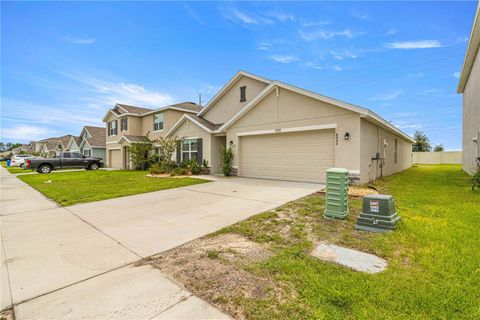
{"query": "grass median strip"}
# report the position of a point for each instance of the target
(262, 268)
(14, 169)
(86, 186)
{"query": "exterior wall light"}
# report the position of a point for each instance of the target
(231, 142)
(346, 136)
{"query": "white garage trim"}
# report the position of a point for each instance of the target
(286, 130)
(114, 149)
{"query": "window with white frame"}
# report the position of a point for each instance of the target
(112, 128)
(189, 149)
(87, 152)
(124, 124)
(158, 122)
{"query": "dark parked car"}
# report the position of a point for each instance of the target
(64, 160)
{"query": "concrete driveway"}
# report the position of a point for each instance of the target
(79, 261)
(154, 222)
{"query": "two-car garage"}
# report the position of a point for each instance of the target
(294, 156)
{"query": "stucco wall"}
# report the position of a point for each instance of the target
(215, 158)
(372, 141)
(471, 118)
(229, 104)
(290, 110)
(189, 129)
(444, 157)
(170, 117)
(109, 118)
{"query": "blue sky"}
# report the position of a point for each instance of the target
(64, 64)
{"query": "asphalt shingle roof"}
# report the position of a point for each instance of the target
(98, 136)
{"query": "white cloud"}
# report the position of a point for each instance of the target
(421, 44)
(387, 96)
(337, 68)
(193, 14)
(319, 22)
(457, 75)
(342, 55)
(282, 17)
(391, 32)
(316, 66)
(326, 34)
(24, 133)
(415, 75)
(359, 15)
(407, 125)
(284, 58)
(264, 45)
(238, 16)
(84, 40)
(427, 91)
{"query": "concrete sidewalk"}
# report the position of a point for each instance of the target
(54, 265)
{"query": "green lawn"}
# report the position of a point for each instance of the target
(433, 257)
(14, 169)
(68, 188)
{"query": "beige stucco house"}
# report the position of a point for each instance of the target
(469, 86)
(126, 124)
(279, 131)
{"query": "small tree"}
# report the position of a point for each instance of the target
(141, 153)
(168, 146)
(422, 143)
(438, 148)
(227, 160)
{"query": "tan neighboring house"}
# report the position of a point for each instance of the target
(24, 148)
(50, 146)
(279, 131)
(469, 86)
(34, 147)
(126, 124)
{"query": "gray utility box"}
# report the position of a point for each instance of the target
(378, 213)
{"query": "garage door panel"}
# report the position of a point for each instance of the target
(116, 159)
(299, 156)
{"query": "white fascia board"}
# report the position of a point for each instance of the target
(227, 86)
(287, 130)
(183, 119)
(471, 53)
(168, 108)
(98, 147)
(119, 115)
(379, 120)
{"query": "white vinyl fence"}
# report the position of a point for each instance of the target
(442, 157)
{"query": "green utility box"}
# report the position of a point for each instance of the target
(378, 213)
(336, 205)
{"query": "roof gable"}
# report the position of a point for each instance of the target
(228, 86)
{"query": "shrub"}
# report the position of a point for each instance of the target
(191, 166)
(476, 180)
(157, 168)
(227, 160)
(179, 171)
(141, 153)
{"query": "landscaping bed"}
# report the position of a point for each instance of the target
(262, 268)
(68, 188)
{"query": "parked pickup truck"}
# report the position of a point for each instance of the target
(64, 160)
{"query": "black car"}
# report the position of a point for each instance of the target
(64, 160)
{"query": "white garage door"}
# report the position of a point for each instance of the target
(297, 156)
(115, 159)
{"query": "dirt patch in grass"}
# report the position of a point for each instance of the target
(227, 268)
(215, 268)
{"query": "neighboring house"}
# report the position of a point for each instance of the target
(34, 147)
(50, 146)
(24, 148)
(74, 144)
(127, 124)
(279, 131)
(469, 86)
(92, 142)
